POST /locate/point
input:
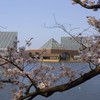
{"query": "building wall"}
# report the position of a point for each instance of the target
(71, 52)
(54, 53)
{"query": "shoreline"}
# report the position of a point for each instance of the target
(56, 61)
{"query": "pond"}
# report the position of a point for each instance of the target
(89, 90)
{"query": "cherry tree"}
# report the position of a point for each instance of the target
(29, 82)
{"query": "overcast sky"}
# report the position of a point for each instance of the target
(28, 17)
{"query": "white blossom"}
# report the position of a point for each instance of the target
(98, 60)
(41, 85)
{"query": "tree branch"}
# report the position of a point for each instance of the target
(69, 33)
(7, 81)
(3, 63)
(60, 88)
(28, 89)
(33, 83)
(87, 6)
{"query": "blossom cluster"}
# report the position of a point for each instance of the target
(67, 72)
(12, 69)
(44, 75)
(92, 52)
(94, 22)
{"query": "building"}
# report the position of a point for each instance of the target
(70, 43)
(7, 39)
(52, 50)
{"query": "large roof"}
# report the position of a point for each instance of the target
(7, 39)
(71, 44)
(52, 44)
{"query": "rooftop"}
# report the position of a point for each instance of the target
(52, 44)
(7, 39)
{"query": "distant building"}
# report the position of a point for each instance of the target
(7, 39)
(52, 44)
(70, 43)
(54, 51)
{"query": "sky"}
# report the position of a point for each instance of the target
(27, 17)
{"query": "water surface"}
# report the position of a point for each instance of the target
(89, 90)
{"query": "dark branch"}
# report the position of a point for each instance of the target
(3, 63)
(96, 6)
(28, 89)
(7, 81)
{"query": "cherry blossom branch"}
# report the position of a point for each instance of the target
(28, 42)
(86, 5)
(7, 81)
(3, 63)
(60, 88)
(28, 89)
(22, 71)
(12, 63)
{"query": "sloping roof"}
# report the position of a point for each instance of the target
(71, 44)
(52, 44)
(7, 39)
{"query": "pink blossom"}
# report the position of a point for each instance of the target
(41, 85)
